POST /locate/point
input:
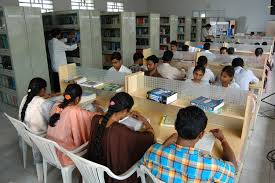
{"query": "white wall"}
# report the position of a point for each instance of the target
(255, 10)
(9, 2)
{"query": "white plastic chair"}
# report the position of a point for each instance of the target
(143, 171)
(22, 129)
(48, 150)
(94, 173)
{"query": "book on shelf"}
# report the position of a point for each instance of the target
(142, 20)
(208, 104)
(132, 123)
(111, 87)
(91, 84)
(162, 95)
(8, 98)
(7, 82)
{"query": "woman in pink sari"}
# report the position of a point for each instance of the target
(69, 124)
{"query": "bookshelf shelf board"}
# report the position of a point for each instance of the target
(110, 26)
(7, 72)
(111, 39)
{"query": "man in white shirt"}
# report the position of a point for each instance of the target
(117, 64)
(210, 56)
(57, 50)
(167, 71)
(207, 34)
(242, 76)
(174, 48)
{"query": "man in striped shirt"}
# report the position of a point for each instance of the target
(177, 161)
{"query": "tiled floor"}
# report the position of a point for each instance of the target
(256, 168)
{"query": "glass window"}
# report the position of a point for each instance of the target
(45, 5)
(115, 7)
(83, 4)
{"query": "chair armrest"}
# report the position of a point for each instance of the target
(81, 148)
(125, 175)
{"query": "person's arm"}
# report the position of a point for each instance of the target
(228, 153)
(145, 122)
(66, 47)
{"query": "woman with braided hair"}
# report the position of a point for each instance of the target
(69, 124)
(113, 144)
(31, 112)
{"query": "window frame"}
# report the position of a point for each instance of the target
(81, 5)
(45, 5)
(113, 6)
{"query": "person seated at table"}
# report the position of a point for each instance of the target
(227, 78)
(208, 76)
(177, 160)
(264, 43)
(223, 50)
(174, 48)
(242, 76)
(152, 65)
(117, 64)
(138, 63)
(113, 144)
(259, 52)
(207, 53)
(167, 71)
(69, 125)
(186, 47)
(230, 51)
(198, 74)
(32, 113)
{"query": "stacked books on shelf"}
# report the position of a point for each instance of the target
(8, 98)
(207, 104)
(67, 19)
(164, 20)
(111, 87)
(4, 41)
(142, 42)
(162, 95)
(111, 33)
(106, 19)
(111, 46)
(142, 20)
(7, 82)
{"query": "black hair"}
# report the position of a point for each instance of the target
(185, 47)
(202, 61)
(153, 58)
(167, 56)
(119, 102)
(264, 43)
(237, 42)
(229, 70)
(137, 56)
(116, 55)
(208, 25)
(259, 51)
(257, 43)
(223, 48)
(174, 43)
(231, 51)
(206, 46)
(237, 62)
(35, 86)
(252, 33)
(190, 122)
(232, 26)
(73, 91)
(55, 32)
(199, 68)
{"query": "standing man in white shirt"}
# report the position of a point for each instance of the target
(167, 71)
(117, 64)
(207, 34)
(242, 76)
(57, 49)
(174, 48)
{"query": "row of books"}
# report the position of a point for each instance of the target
(8, 98)
(110, 19)
(164, 30)
(67, 19)
(115, 46)
(181, 37)
(142, 21)
(142, 42)
(181, 20)
(142, 30)
(5, 62)
(4, 41)
(164, 40)
(181, 29)
(111, 33)
(167, 96)
(164, 20)
(7, 81)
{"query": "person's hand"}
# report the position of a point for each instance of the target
(171, 140)
(218, 134)
(138, 116)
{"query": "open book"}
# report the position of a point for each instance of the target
(132, 123)
(207, 142)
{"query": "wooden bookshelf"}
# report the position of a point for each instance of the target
(168, 31)
(118, 31)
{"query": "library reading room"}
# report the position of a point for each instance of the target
(137, 91)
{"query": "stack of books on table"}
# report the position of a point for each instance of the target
(207, 104)
(162, 96)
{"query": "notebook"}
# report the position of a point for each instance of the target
(207, 142)
(132, 123)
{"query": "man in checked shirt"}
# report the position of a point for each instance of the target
(177, 161)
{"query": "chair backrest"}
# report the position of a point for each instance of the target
(21, 129)
(145, 171)
(93, 172)
(47, 148)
